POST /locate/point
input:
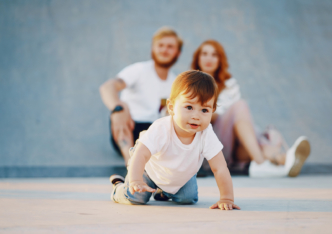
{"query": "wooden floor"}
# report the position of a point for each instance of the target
(82, 205)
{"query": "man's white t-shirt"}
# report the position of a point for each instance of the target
(144, 90)
(173, 163)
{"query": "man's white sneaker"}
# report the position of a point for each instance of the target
(296, 156)
(266, 170)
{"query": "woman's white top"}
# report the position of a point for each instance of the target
(173, 163)
(228, 96)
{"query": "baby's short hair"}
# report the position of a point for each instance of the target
(195, 84)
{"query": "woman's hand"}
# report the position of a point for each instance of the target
(225, 205)
(139, 186)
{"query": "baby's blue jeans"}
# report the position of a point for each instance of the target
(188, 194)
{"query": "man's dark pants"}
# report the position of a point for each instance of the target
(138, 128)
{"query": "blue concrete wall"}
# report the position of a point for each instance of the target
(55, 54)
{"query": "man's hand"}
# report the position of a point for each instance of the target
(139, 186)
(122, 125)
(225, 205)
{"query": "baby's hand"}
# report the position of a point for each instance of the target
(139, 186)
(225, 205)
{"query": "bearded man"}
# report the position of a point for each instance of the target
(143, 86)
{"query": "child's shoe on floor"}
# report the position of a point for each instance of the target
(159, 196)
(116, 179)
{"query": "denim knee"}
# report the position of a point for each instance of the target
(186, 200)
(188, 194)
(137, 202)
(122, 195)
(138, 198)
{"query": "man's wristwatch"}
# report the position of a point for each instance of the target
(118, 108)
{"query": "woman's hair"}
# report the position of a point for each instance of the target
(195, 84)
(221, 74)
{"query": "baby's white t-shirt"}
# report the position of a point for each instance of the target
(173, 163)
(144, 90)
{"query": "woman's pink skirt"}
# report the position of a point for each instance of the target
(224, 127)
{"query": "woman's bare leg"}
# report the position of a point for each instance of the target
(274, 154)
(236, 125)
(269, 152)
(245, 133)
(241, 154)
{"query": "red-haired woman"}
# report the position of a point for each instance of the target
(234, 126)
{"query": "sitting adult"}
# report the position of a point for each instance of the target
(144, 85)
(233, 124)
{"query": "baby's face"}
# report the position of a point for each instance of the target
(189, 115)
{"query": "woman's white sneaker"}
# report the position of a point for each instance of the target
(266, 170)
(296, 156)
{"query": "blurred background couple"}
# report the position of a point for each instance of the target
(145, 86)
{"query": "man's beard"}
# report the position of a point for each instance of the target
(164, 64)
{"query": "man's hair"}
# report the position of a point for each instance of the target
(166, 31)
(195, 84)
